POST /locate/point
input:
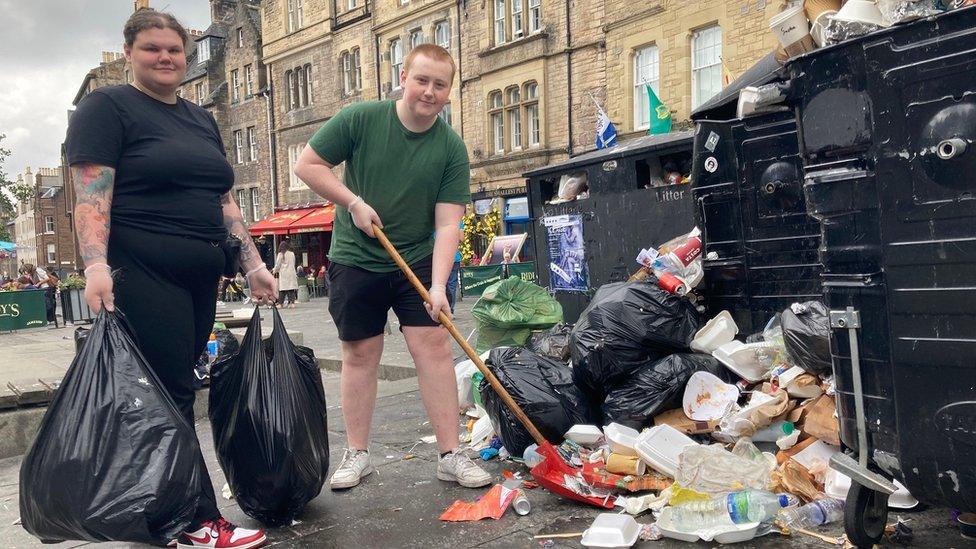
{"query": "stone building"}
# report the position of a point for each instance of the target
(44, 234)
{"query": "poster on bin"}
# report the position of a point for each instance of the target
(567, 258)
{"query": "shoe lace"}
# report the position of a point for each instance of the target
(348, 455)
(223, 525)
(464, 462)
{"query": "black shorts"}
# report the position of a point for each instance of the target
(360, 300)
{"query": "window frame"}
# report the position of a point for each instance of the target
(641, 105)
(203, 51)
(530, 104)
(240, 37)
(294, 151)
(235, 85)
(350, 4)
(52, 253)
(242, 203)
(357, 69)
(345, 62)
(513, 115)
(255, 203)
(238, 146)
(443, 24)
(248, 80)
(396, 65)
(535, 16)
(201, 90)
(699, 66)
(252, 143)
(446, 114)
(496, 122)
(307, 70)
(416, 38)
(49, 225)
(517, 22)
(499, 26)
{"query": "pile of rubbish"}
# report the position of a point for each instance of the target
(720, 438)
(810, 24)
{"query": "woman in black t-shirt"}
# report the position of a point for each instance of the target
(154, 165)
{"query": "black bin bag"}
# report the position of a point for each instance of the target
(114, 460)
(268, 411)
(806, 333)
(625, 325)
(542, 386)
(656, 387)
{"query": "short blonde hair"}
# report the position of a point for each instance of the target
(432, 51)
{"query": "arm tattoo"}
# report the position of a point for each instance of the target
(234, 222)
(94, 186)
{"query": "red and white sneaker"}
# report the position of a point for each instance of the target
(220, 534)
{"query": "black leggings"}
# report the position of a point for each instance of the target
(167, 288)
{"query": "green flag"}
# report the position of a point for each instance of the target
(660, 114)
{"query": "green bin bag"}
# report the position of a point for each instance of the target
(509, 310)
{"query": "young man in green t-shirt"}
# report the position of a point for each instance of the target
(406, 171)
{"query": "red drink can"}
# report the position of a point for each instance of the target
(689, 251)
(671, 284)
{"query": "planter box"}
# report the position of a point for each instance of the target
(74, 307)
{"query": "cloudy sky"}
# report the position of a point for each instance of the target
(47, 47)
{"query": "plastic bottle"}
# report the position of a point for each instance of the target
(213, 347)
(814, 514)
(531, 456)
(774, 432)
(736, 507)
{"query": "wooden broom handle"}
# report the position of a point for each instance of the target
(445, 320)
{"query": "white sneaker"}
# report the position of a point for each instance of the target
(459, 468)
(354, 466)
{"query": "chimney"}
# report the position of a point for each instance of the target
(139, 4)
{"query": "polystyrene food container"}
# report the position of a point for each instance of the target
(741, 359)
(585, 435)
(621, 438)
(611, 531)
(660, 447)
(717, 332)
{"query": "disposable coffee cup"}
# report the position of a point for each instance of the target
(625, 465)
(814, 8)
(792, 30)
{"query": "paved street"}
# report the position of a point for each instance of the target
(399, 505)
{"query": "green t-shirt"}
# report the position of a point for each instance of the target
(400, 173)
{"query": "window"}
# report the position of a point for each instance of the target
(242, 203)
(646, 71)
(497, 121)
(201, 89)
(49, 223)
(396, 62)
(535, 16)
(531, 98)
(445, 114)
(442, 34)
(516, 19)
(513, 107)
(294, 183)
(52, 253)
(238, 146)
(128, 76)
(240, 37)
(357, 69)
(252, 143)
(248, 81)
(299, 84)
(179, 92)
(500, 22)
(350, 4)
(235, 86)
(706, 65)
(347, 76)
(416, 38)
(296, 10)
(203, 51)
(255, 204)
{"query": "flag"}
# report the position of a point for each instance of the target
(659, 116)
(606, 133)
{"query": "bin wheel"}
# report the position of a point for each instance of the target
(865, 515)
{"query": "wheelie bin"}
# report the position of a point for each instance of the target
(887, 134)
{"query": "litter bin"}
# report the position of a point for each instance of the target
(887, 133)
(747, 182)
(627, 209)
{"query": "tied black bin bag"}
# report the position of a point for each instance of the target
(625, 325)
(542, 386)
(268, 411)
(114, 460)
(658, 386)
(806, 333)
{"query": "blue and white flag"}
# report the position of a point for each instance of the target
(606, 133)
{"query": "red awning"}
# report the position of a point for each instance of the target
(319, 220)
(278, 223)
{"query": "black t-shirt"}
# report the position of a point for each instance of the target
(170, 166)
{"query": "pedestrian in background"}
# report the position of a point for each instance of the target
(154, 204)
(287, 275)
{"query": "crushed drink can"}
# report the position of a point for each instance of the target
(671, 284)
(521, 503)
